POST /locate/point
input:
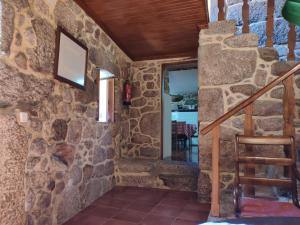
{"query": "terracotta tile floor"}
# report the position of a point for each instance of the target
(266, 208)
(143, 206)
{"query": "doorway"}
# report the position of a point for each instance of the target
(180, 112)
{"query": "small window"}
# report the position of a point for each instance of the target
(106, 96)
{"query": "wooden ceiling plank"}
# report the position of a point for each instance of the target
(150, 28)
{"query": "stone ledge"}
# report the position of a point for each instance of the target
(157, 174)
(221, 27)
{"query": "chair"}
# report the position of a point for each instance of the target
(178, 136)
(289, 162)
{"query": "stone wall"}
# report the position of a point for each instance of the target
(232, 68)
(144, 139)
(62, 159)
(157, 174)
(258, 23)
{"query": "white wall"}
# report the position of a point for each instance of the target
(183, 81)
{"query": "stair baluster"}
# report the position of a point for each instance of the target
(248, 130)
(270, 22)
(215, 197)
(289, 106)
(245, 17)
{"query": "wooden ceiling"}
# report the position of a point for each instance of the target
(150, 29)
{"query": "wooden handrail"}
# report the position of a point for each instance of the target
(249, 100)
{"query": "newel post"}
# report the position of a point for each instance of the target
(288, 114)
(215, 194)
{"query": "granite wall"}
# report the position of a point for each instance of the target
(144, 139)
(232, 68)
(161, 174)
(258, 22)
(61, 160)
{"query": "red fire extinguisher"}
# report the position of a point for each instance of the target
(127, 93)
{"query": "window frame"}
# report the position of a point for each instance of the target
(110, 99)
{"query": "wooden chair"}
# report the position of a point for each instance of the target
(178, 138)
(289, 162)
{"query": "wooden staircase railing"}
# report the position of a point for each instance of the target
(269, 27)
(247, 105)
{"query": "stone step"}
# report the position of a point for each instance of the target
(157, 174)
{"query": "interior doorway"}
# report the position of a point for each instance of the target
(180, 112)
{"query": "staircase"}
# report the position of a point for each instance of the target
(289, 163)
(249, 140)
(287, 140)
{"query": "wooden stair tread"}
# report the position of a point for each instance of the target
(264, 140)
(265, 181)
(265, 160)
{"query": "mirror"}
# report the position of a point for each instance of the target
(71, 59)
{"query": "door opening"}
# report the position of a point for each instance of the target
(180, 112)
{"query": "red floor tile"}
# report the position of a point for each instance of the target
(174, 202)
(193, 215)
(118, 222)
(157, 220)
(130, 216)
(166, 211)
(113, 202)
(266, 208)
(142, 206)
(194, 205)
(184, 222)
(103, 211)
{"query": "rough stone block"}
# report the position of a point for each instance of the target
(179, 182)
(150, 124)
(270, 124)
(245, 89)
(277, 93)
(268, 54)
(243, 40)
(7, 27)
(219, 66)
(18, 87)
(279, 68)
(221, 27)
(41, 58)
(267, 108)
(135, 165)
(211, 104)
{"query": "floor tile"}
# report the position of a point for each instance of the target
(141, 206)
(112, 202)
(266, 208)
(193, 215)
(157, 220)
(174, 202)
(194, 205)
(104, 211)
(119, 222)
(166, 211)
(184, 222)
(130, 215)
(92, 220)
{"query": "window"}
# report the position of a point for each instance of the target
(106, 96)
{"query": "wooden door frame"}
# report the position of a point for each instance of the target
(173, 66)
